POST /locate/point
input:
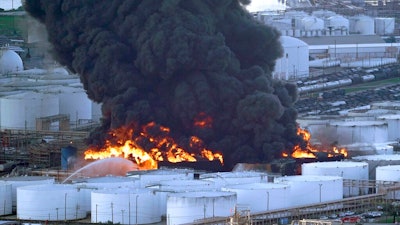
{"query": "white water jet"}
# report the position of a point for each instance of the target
(109, 166)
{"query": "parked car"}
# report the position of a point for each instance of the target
(351, 219)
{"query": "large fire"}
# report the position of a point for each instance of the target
(311, 152)
(160, 147)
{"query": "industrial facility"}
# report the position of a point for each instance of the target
(46, 115)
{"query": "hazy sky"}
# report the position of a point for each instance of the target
(9, 4)
(264, 5)
(256, 5)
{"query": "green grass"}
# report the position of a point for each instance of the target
(370, 85)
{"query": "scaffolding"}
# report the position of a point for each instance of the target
(40, 149)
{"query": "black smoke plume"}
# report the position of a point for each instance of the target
(171, 61)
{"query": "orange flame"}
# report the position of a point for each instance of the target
(163, 147)
(203, 120)
(310, 151)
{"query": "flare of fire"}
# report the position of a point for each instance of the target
(310, 151)
(203, 120)
(163, 147)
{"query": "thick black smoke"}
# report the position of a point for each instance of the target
(171, 61)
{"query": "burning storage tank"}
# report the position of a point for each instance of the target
(355, 171)
(167, 187)
(21, 181)
(125, 206)
(222, 179)
(53, 202)
(309, 189)
(261, 196)
(190, 206)
(375, 161)
(350, 132)
(154, 177)
(86, 186)
(5, 198)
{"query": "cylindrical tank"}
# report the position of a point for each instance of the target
(222, 179)
(312, 23)
(362, 24)
(384, 176)
(388, 173)
(310, 189)
(357, 171)
(337, 22)
(21, 181)
(393, 121)
(86, 186)
(5, 198)
(349, 132)
(124, 206)
(384, 25)
(154, 177)
(190, 206)
(294, 62)
(375, 161)
(165, 188)
(20, 111)
(53, 202)
(68, 157)
(360, 149)
(261, 197)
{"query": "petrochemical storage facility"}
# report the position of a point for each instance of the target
(45, 115)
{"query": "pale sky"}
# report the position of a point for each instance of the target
(256, 5)
(9, 4)
(265, 5)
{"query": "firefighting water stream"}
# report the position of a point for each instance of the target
(108, 166)
(201, 69)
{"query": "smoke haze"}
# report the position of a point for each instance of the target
(173, 61)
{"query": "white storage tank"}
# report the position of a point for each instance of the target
(385, 174)
(311, 23)
(21, 181)
(294, 61)
(349, 132)
(362, 24)
(86, 186)
(167, 187)
(154, 177)
(359, 149)
(20, 111)
(52, 202)
(190, 206)
(393, 122)
(358, 172)
(5, 198)
(221, 179)
(388, 173)
(124, 206)
(309, 189)
(73, 102)
(384, 25)
(259, 197)
(10, 62)
(375, 161)
(337, 22)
